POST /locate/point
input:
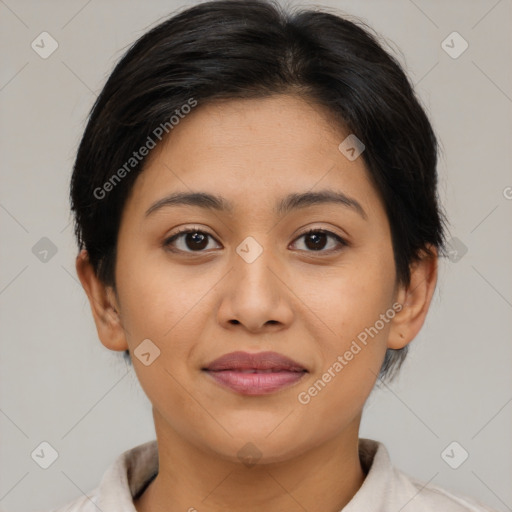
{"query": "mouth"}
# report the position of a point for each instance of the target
(255, 374)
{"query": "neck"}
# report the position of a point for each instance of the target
(324, 478)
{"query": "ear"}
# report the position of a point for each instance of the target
(104, 306)
(415, 300)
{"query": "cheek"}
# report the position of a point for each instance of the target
(168, 304)
(352, 296)
(158, 303)
(352, 350)
(354, 305)
(155, 293)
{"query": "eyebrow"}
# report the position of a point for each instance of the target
(285, 205)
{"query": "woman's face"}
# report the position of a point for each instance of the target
(252, 281)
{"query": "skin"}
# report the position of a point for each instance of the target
(304, 303)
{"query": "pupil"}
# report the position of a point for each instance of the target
(317, 239)
(197, 237)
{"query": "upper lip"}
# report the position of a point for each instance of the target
(256, 361)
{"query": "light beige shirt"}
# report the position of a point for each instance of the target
(385, 488)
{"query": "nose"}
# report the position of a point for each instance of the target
(255, 295)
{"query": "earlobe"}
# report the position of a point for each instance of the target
(415, 300)
(104, 307)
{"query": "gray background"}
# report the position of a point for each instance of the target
(60, 385)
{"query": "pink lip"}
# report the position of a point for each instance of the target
(256, 383)
(256, 361)
(255, 374)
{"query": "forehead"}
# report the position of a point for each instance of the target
(253, 152)
(274, 126)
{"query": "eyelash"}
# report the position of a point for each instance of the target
(168, 241)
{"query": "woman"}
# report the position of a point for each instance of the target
(256, 210)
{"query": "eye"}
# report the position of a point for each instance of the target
(316, 240)
(194, 239)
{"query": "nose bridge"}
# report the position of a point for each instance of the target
(255, 265)
(256, 294)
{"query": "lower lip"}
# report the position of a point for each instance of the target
(256, 383)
